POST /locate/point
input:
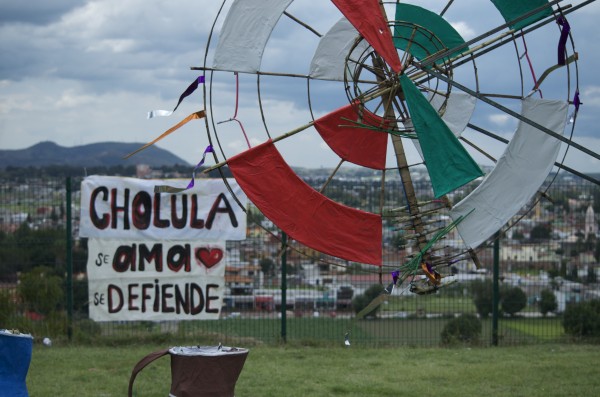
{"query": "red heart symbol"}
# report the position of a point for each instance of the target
(209, 258)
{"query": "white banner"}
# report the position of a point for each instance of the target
(155, 281)
(128, 208)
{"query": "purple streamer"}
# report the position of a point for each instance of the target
(576, 100)
(209, 149)
(429, 268)
(562, 42)
(395, 276)
(189, 90)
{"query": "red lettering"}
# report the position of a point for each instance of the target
(141, 210)
(144, 210)
(165, 296)
(196, 308)
(145, 295)
(179, 257)
(195, 223)
(182, 301)
(115, 209)
(178, 223)
(216, 209)
(146, 255)
(100, 222)
(158, 222)
(124, 258)
(111, 307)
(132, 297)
(210, 298)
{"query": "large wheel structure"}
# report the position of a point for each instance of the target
(393, 86)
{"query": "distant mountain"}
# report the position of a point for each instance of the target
(93, 155)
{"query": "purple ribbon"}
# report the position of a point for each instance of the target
(209, 149)
(576, 100)
(395, 276)
(562, 42)
(429, 268)
(190, 90)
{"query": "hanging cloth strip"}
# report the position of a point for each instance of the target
(449, 165)
(358, 144)
(197, 115)
(302, 212)
(562, 42)
(518, 174)
(192, 87)
(367, 17)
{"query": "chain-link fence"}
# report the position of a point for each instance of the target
(547, 261)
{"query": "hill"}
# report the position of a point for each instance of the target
(93, 155)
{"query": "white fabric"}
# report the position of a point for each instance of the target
(160, 280)
(245, 32)
(159, 113)
(124, 203)
(525, 164)
(329, 60)
(459, 109)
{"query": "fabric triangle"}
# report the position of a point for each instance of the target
(360, 144)
(367, 17)
(448, 163)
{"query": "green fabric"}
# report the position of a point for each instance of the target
(448, 163)
(512, 9)
(422, 44)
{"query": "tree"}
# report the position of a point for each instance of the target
(465, 329)
(591, 275)
(548, 302)
(513, 300)
(362, 301)
(582, 319)
(398, 241)
(267, 266)
(482, 296)
(541, 232)
(7, 307)
(41, 290)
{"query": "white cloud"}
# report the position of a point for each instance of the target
(500, 119)
(591, 95)
(464, 29)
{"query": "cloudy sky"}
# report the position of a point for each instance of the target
(77, 72)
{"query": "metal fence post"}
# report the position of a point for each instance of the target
(495, 289)
(284, 287)
(69, 240)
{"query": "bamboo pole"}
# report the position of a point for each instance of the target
(276, 139)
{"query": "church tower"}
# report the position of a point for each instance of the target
(591, 226)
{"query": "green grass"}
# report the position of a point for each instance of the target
(540, 370)
(323, 331)
(540, 329)
(429, 304)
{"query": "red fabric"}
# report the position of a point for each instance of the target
(366, 16)
(303, 213)
(360, 146)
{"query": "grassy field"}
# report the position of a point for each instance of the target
(535, 370)
(323, 331)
